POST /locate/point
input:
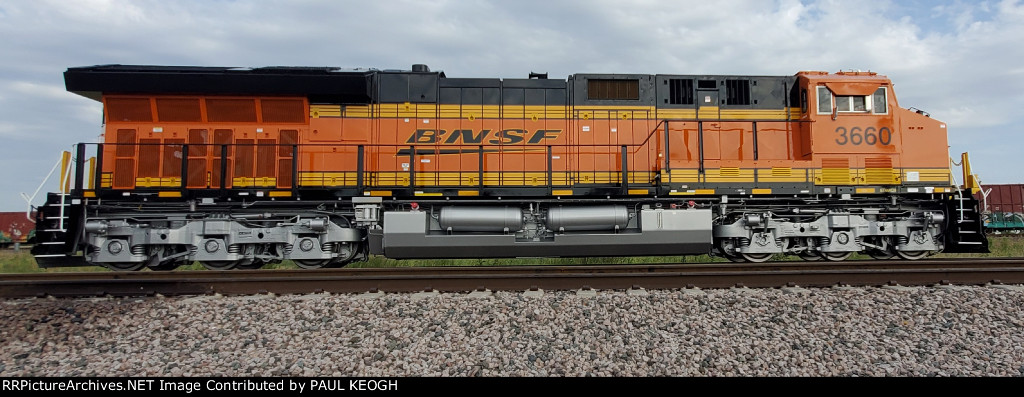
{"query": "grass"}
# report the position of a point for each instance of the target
(22, 261)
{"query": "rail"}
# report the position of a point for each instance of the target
(955, 271)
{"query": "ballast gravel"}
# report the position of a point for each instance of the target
(869, 331)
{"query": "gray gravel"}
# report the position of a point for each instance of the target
(961, 331)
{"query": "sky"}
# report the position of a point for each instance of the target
(960, 61)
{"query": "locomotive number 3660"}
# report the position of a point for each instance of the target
(864, 136)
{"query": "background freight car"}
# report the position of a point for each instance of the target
(16, 227)
(1003, 208)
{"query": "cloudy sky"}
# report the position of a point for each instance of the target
(961, 61)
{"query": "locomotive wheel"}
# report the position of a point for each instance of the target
(125, 266)
(255, 264)
(165, 267)
(312, 263)
(881, 255)
(757, 258)
(734, 258)
(343, 261)
(809, 256)
(912, 255)
(220, 265)
(836, 256)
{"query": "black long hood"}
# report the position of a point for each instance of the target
(319, 84)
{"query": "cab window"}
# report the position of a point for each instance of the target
(824, 100)
(878, 104)
(874, 103)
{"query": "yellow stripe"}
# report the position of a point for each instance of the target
(865, 190)
(157, 182)
(566, 192)
(677, 114)
(684, 175)
(317, 111)
(169, 194)
(537, 112)
(380, 193)
(928, 174)
(280, 194)
(762, 114)
(781, 174)
(428, 194)
(469, 193)
(639, 191)
(89, 194)
(253, 182)
(761, 191)
(729, 174)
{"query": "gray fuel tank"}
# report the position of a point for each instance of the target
(481, 219)
(601, 217)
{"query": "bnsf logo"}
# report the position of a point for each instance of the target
(470, 137)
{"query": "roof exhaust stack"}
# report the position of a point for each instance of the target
(538, 75)
(419, 67)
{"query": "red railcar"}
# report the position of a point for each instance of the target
(1003, 208)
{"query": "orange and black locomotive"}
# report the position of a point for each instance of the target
(239, 167)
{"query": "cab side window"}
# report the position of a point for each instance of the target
(824, 100)
(878, 104)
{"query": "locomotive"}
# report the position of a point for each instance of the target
(240, 167)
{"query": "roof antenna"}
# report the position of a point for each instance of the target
(538, 75)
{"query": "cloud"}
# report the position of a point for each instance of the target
(957, 60)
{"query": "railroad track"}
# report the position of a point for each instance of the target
(519, 278)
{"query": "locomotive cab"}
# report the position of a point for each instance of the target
(860, 135)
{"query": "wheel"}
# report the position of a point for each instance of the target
(734, 258)
(343, 260)
(312, 263)
(912, 255)
(836, 256)
(220, 265)
(255, 264)
(166, 266)
(125, 266)
(880, 255)
(809, 256)
(757, 258)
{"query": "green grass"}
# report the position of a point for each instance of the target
(22, 261)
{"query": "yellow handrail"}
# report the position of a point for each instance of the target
(970, 179)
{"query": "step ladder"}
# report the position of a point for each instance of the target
(966, 233)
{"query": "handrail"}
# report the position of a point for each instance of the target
(657, 159)
(29, 199)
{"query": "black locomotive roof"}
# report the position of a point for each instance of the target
(328, 84)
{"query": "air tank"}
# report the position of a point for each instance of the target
(602, 217)
(481, 219)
